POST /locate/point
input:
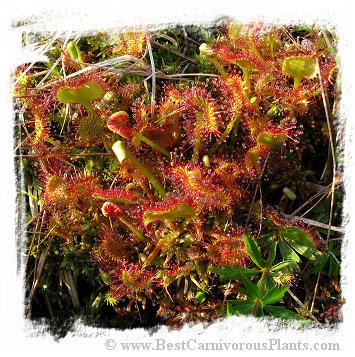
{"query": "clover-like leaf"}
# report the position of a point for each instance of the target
(287, 253)
(300, 241)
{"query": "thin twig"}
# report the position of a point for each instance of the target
(332, 146)
(152, 64)
(319, 193)
(315, 205)
(69, 282)
(292, 39)
(38, 271)
(41, 52)
(332, 150)
(256, 190)
(176, 53)
(331, 47)
(38, 217)
(261, 210)
(315, 291)
(66, 155)
(323, 190)
(299, 302)
(316, 223)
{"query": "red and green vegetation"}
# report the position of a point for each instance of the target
(181, 175)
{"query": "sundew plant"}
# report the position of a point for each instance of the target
(180, 175)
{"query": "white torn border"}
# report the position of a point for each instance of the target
(20, 336)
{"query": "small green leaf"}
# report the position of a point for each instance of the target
(334, 263)
(69, 95)
(110, 300)
(29, 195)
(91, 91)
(300, 241)
(282, 313)
(86, 228)
(90, 127)
(299, 68)
(239, 307)
(251, 290)
(245, 292)
(268, 284)
(72, 49)
(269, 139)
(267, 238)
(120, 151)
(254, 251)
(274, 295)
(139, 137)
(320, 262)
(206, 50)
(110, 97)
(123, 153)
(259, 310)
(282, 265)
(287, 253)
(104, 277)
(245, 65)
(289, 193)
(200, 297)
(232, 310)
(272, 255)
(273, 111)
(231, 272)
(75, 53)
(81, 95)
(206, 160)
(253, 156)
(334, 267)
(181, 210)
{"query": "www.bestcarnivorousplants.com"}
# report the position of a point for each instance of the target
(161, 344)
